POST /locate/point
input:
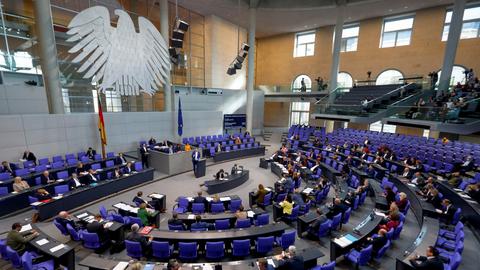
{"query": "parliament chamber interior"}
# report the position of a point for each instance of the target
(239, 134)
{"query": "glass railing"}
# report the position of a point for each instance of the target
(287, 88)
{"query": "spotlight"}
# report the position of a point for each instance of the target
(181, 25)
(245, 47)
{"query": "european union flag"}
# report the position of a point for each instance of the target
(180, 118)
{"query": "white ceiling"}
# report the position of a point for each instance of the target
(284, 16)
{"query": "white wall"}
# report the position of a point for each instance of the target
(22, 99)
(223, 40)
(47, 135)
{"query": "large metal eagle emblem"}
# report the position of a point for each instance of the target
(119, 58)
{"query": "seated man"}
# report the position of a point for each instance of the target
(468, 165)
(455, 179)
(17, 240)
(128, 168)
(9, 168)
(42, 195)
(429, 262)
(135, 236)
(290, 260)
(91, 178)
(336, 208)
(64, 218)
(74, 182)
(91, 153)
(200, 199)
(418, 179)
(199, 224)
(175, 221)
(97, 227)
(27, 155)
(46, 178)
(447, 212)
(377, 242)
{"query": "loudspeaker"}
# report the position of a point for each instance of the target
(176, 43)
(182, 25)
(173, 51)
(177, 34)
(231, 71)
(237, 65)
(240, 59)
(245, 47)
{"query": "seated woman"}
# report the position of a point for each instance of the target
(260, 194)
(42, 195)
(287, 205)
(402, 202)
(393, 222)
(144, 215)
(241, 213)
(19, 184)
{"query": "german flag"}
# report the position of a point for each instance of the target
(101, 123)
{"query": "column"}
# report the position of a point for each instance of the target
(451, 47)
(252, 12)
(164, 30)
(337, 42)
(48, 56)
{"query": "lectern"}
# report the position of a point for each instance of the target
(201, 168)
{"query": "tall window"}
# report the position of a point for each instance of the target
(300, 113)
(471, 23)
(344, 80)
(378, 126)
(396, 32)
(390, 76)
(304, 44)
(458, 75)
(349, 38)
(297, 83)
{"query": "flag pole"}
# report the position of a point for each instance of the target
(101, 124)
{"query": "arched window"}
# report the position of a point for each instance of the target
(458, 75)
(297, 83)
(390, 76)
(344, 80)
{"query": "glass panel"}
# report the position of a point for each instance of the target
(448, 17)
(295, 118)
(388, 39)
(471, 14)
(403, 38)
(343, 45)
(350, 32)
(304, 118)
(297, 83)
(470, 30)
(310, 49)
(458, 75)
(398, 24)
(344, 80)
(376, 126)
(389, 128)
(446, 28)
(305, 38)
(426, 133)
(300, 50)
(352, 44)
(389, 77)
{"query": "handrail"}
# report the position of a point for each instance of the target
(330, 93)
(389, 93)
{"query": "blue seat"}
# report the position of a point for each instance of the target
(198, 229)
(264, 244)
(262, 219)
(222, 224)
(235, 205)
(3, 191)
(91, 241)
(326, 266)
(72, 162)
(217, 208)
(14, 257)
(359, 258)
(74, 234)
(69, 156)
(62, 175)
(241, 248)
(214, 250)
(323, 229)
(212, 151)
(138, 166)
(40, 168)
(3, 249)
(135, 220)
(382, 250)
(286, 239)
(60, 227)
(346, 216)
(397, 231)
(118, 218)
(97, 157)
(61, 189)
(110, 155)
(336, 221)
(243, 223)
(43, 161)
(109, 163)
(280, 197)
(198, 208)
(181, 206)
(134, 249)
(178, 227)
(161, 250)
(96, 166)
(56, 159)
(32, 199)
(187, 251)
(267, 200)
(21, 172)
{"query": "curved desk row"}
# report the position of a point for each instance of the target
(224, 199)
(188, 219)
(232, 181)
(94, 261)
(82, 196)
(240, 153)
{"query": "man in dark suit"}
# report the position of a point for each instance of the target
(144, 155)
(96, 227)
(447, 212)
(290, 260)
(195, 158)
(27, 155)
(313, 227)
(128, 168)
(90, 178)
(468, 164)
(74, 182)
(135, 236)
(120, 159)
(378, 242)
(46, 178)
(152, 141)
(175, 221)
(91, 153)
(64, 218)
(138, 200)
(9, 168)
(199, 224)
(336, 208)
(200, 199)
(429, 262)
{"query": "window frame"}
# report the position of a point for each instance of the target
(296, 44)
(344, 41)
(445, 24)
(397, 18)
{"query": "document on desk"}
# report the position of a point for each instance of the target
(36, 203)
(25, 228)
(121, 266)
(82, 215)
(150, 266)
(307, 190)
(250, 214)
(57, 248)
(224, 199)
(379, 214)
(465, 196)
(108, 225)
(42, 242)
(341, 242)
(191, 217)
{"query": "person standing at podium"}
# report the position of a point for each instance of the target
(195, 160)
(144, 155)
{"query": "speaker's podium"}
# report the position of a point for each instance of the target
(201, 168)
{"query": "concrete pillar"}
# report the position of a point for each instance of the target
(451, 47)
(337, 42)
(164, 30)
(251, 63)
(48, 56)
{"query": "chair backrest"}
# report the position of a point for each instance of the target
(397, 231)
(243, 223)
(21, 172)
(32, 199)
(222, 224)
(365, 255)
(214, 250)
(84, 159)
(60, 227)
(262, 219)
(183, 202)
(265, 244)
(61, 189)
(72, 161)
(96, 166)
(174, 227)
(3, 191)
(62, 175)
(43, 161)
(328, 266)
(40, 168)
(456, 216)
(110, 154)
(57, 159)
(241, 248)
(187, 251)
(336, 220)
(134, 249)
(382, 250)
(14, 257)
(138, 166)
(161, 250)
(103, 212)
(287, 239)
(267, 200)
(346, 216)
(217, 207)
(324, 228)
(280, 197)
(198, 208)
(76, 236)
(109, 163)
(235, 205)
(3, 249)
(97, 157)
(136, 220)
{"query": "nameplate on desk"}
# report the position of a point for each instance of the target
(57, 248)
(465, 196)
(58, 197)
(60, 180)
(457, 189)
(82, 215)
(191, 217)
(250, 214)
(121, 266)
(412, 185)
(224, 199)
(379, 214)
(25, 228)
(307, 190)
(42, 242)
(14, 192)
(108, 225)
(189, 199)
(36, 203)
